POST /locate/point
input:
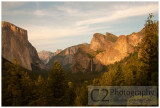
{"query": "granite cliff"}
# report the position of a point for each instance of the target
(65, 57)
(101, 42)
(15, 44)
(104, 50)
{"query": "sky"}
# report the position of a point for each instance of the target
(58, 25)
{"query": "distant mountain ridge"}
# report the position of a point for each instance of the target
(65, 57)
(45, 56)
(15, 44)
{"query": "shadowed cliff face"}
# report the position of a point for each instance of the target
(65, 57)
(83, 61)
(15, 44)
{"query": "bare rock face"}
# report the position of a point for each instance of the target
(57, 52)
(83, 64)
(120, 49)
(84, 60)
(106, 49)
(65, 57)
(116, 52)
(68, 55)
(101, 42)
(45, 56)
(15, 44)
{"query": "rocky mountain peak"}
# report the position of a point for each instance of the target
(100, 41)
(104, 50)
(65, 57)
(111, 37)
(45, 56)
(15, 44)
(11, 27)
(57, 51)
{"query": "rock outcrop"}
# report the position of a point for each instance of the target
(15, 44)
(45, 56)
(83, 60)
(104, 50)
(57, 52)
(101, 42)
(65, 57)
(120, 49)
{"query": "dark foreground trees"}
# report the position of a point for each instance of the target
(16, 84)
(20, 90)
(148, 73)
(57, 86)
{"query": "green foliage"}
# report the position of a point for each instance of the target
(57, 85)
(111, 37)
(80, 78)
(120, 73)
(119, 76)
(82, 95)
(92, 54)
(149, 54)
(17, 85)
(20, 90)
(59, 93)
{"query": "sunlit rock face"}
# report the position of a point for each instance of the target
(101, 42)
(107, 49)
(120, 49)
(15, 44)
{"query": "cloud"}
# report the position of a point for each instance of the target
(48, 32)
(40, 13)
(82, 27)
(125, 13)
(67, 10)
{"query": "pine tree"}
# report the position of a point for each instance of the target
(40, 80)
(57, 85)
(119, 77)
(82, 95)
(149, 54)
(19, 85)
(70, 95)
(40, 98)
